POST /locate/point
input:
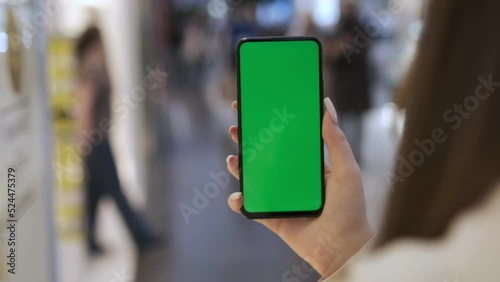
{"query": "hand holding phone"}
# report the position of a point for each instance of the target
(326, 242)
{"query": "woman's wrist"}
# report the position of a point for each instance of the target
(351, 245)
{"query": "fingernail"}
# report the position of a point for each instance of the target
(235, 196)
(231, 161)
(331, 110)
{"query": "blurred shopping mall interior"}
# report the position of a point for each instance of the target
(172, 70)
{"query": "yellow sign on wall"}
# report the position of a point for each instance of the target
(67, 163)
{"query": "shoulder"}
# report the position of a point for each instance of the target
(472, 247)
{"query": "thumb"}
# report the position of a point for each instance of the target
(338, 148)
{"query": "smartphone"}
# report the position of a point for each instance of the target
(279, 118)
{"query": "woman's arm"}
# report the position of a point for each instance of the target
(85, 97)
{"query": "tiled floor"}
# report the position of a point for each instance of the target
(117, 265)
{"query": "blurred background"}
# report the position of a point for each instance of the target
(172, 70)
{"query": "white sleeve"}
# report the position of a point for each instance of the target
(341, 272)
(403, 261)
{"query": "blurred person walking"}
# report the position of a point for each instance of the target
(94, 117)
(349, 66)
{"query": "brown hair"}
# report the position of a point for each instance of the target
(89, 37)
(449, 100)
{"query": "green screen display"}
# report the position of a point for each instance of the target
(280, 125)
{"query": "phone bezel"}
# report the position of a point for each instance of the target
(284, 214)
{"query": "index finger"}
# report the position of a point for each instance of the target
(234, 105)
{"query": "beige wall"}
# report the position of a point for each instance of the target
(25, 146)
